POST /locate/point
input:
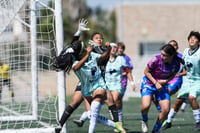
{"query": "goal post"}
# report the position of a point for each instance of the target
(32, 94)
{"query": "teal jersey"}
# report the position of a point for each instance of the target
(192, 63)
(191, 82)
(90, 75)
(113, 74)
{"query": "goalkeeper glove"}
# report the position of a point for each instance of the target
(82, 27)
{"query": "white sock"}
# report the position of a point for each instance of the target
(111, 116)
(105, 121)
(95, 109)
(84, 116)
(196, 114)
(183, 106)
(120, 115)
(89, 114)
(171, 115)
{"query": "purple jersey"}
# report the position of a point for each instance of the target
(161, 70)
(130, 66)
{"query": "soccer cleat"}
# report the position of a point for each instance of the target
(144, 127)
(197, 127)
(119, 127)
(166, 126)
(79, 123)
(58, 129)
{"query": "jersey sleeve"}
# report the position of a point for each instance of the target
(129, 62)
(152, 63)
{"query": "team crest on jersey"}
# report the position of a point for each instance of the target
(144, 90)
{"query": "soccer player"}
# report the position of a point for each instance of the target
(77, 97)
(190, 88)
(93, 86)
(97, 41)
(126, 75)
(5, 79)
(158, 72)
(175, 84)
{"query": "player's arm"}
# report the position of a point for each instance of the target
(147, 72)
(84, 59)
(165, 81)
(130, 78)
(106, 54)
(82, 26)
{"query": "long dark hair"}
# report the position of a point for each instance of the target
(169, 49)
(64, 60)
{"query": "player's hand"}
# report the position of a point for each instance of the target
(158, 86)
(107, 44)
(89, 49)
(83, 25)
(134, 87)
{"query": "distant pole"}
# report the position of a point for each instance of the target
(121, 30)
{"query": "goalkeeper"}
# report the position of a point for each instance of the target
(5, 79)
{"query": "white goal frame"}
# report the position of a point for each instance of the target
(61, 84)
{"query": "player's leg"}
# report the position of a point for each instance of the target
(114, 111)
(75, 102)
(182, 95)
(165, 106)
(85, 115)
(111, 106)
(183, 107)
(146, 93)
(172, 113)
(97, 98)
(117, 99)
(194, 93)
(146, 103)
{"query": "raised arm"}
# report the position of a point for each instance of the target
(82, 26)
(84, 59)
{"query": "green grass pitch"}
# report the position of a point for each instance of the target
(183, 122)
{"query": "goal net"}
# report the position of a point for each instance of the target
(28, 86)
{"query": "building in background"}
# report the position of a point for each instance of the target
(145, 27)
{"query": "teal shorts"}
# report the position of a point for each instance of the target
(189, 87)
(94, 85)
(115, 87)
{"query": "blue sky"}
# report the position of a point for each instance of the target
(106, 4)
(103, 3)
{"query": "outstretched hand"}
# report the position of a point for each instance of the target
(83, 25)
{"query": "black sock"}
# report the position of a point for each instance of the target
(114, 112)
(66, 114)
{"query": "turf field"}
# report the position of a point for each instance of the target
(183, 122)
